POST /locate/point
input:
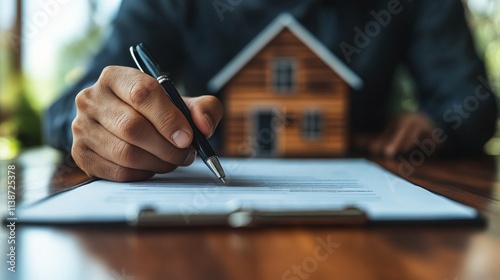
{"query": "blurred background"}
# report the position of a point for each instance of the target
(44, 45)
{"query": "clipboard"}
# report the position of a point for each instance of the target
(333, 192)
(149, 217)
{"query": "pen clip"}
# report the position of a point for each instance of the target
(148, 61)
(137, 60)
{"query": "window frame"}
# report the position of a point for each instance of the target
(313, 124)
(283, 82)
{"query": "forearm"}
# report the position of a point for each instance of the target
(468, 121)
(453, 90)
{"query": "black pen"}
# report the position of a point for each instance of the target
(146, 62)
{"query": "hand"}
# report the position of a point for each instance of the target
(399, 135)
(127, 129)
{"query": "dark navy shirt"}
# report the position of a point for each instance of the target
(194, 39)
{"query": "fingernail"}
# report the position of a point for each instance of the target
(181, 138)
(190, 158)
(208, 120)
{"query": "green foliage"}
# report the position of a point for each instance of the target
(28, 122)
(24, 98)
(73, 56)
(486, 31)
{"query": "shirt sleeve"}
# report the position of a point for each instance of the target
(451, 79)
(148, 21)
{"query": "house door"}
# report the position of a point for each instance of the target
(265, 133)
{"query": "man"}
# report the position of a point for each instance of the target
(119, 125)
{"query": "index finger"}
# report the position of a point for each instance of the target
(146, 96)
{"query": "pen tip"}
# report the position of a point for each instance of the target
(223, 180)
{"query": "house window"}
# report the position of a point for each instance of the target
(312, 124)
(284, 75)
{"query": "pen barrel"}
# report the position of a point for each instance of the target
(200, 142)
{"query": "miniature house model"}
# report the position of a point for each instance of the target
(285, 94)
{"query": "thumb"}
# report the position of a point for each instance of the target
(206, 111)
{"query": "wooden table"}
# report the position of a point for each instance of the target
(395, 252)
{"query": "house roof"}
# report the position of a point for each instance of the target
(283, 21)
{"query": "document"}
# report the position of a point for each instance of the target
(261, 185)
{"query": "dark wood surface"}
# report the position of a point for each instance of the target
(390, 252)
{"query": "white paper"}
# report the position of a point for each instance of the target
(261, 184)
